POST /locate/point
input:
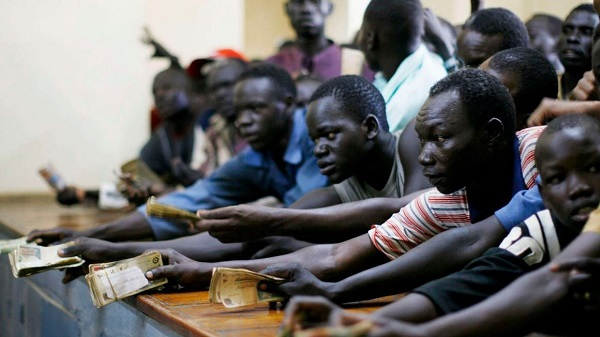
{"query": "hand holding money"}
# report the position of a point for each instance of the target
(153, 208)
(27, 260)
(109, 282)
(7, 246)
(238, 287)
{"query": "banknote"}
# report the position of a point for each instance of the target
(238, 287)
(7, 246)
(26, 260)
(153, 208)
(112, 281)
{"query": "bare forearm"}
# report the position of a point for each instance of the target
(131, 227)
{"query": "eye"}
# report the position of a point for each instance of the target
(587, 31)
(594, 168)
(330, 136)
(440, 139)
(555, 179)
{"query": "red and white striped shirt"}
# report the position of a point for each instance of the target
(433, 212)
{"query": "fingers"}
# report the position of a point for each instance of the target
(283, 270)
(160, 272)
(582, 264)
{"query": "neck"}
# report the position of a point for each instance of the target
(312, 45)
(181, 123)
(493, 188)
(380, 161)
(391, 60)
(278, 149)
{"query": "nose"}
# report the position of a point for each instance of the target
(579, 187)
(243, 119)
(426, 155)
(573, 37)
(320, 149)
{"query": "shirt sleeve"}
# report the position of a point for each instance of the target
(522, 205)
(232, 183)
(424, 217)
(527, 141)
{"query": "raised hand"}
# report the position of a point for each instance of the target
(584, 274)
(300, 280)
(237, 223)
(182, 270)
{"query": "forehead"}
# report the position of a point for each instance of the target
(581, 19)
(224, 73)
(325, 109)
(255, 89)
(445, 107)
(566, 144)
(171, 78)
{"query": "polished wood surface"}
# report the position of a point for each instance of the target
(188, 313)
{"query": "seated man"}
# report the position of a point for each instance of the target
(529, 77)
(487, 32)
(279, 162)
(543, 30)
(472, 156)
(567, 155)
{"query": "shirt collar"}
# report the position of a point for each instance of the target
(408, 67)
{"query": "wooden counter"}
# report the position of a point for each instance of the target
(41, 305)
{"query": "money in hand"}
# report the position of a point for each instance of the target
(153, 208)
(238, 287)
(7, 246)
(112, 281)
(26, 260)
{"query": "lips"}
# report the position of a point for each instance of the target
(326, 169)
(581, 213)
(571, 53)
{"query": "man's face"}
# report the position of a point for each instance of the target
(261, 118)
(569, 166)
(453, 152)
(363, 45)
(339, 140)
(308, 16)
(596, 64)
(220, 83)
(575, 41)
(474, 47)
(169, 94)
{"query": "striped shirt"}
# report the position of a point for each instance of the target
(433, 212)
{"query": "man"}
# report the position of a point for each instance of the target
(468, 148)
(487, 32)
(278, 163)
(566, 151)
(405, 68)
(312, 53)
(529, 77)
(575, 46)
(544, 30)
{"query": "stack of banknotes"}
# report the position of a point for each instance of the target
(26, 260)
(238, 287)
(153, 208)
(109, 282)
(7, 246)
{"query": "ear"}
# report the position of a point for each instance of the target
(494, 129)
(371, 125)
(327, 8)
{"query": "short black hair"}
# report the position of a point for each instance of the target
(357, 97)
(499, 21)
(550, 22)
(568, 121)
(483, 97)
(401, 21)
(535, 75)
(177, 75)
(585, 8)
(282, 81)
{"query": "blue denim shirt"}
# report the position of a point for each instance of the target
(247, 177)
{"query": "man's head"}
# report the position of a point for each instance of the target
(307, 17)
(388, 27)
(568, 159)
(596, 58)
(487, 32)
(171, 90)
(529, 77)
(467, 121)
(305, 86)
(544, 30)
(344, 118)
(221, 79)
(264, 100)
(575, 41)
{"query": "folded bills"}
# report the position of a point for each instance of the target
(141, 174)
(153, 208)
(238, 287)
(112, 281)
(26, 260)
(7, 246)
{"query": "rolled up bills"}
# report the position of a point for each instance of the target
(153, 208)
(27, 260)
(112, 281)
(238, 287)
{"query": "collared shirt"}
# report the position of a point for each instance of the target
(249, 176)
(433, 212)
(327, 63)
(407, 90)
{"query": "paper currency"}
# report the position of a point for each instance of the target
(27, 260)
(359, 329)
(238, 287)
(7, 246)
(112, 281)
(140, 173)
(153, 208)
